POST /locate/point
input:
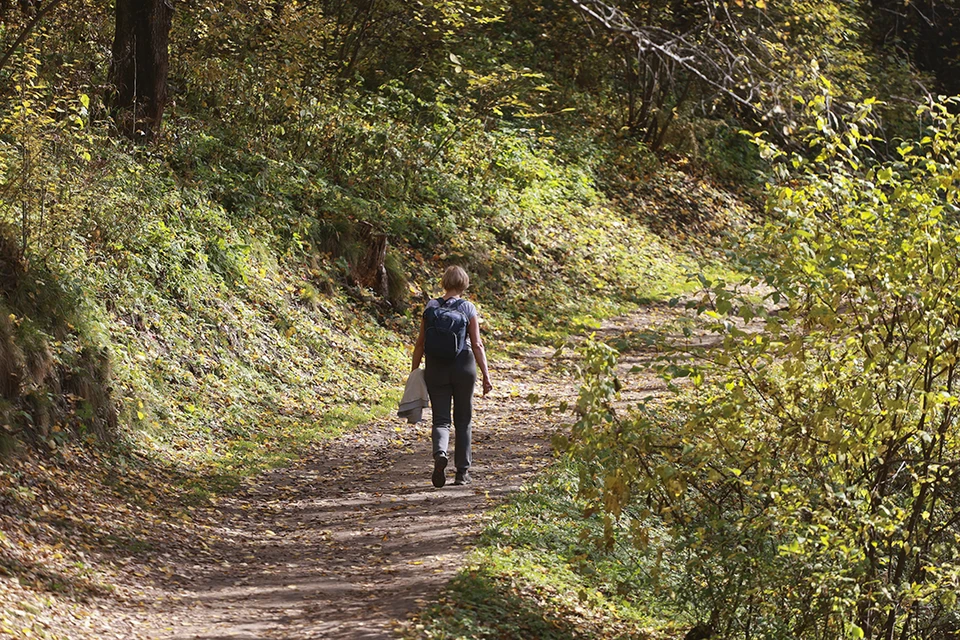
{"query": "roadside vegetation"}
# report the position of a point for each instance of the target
(541, 569)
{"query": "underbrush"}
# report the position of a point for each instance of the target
(217, 279)
(221, 274)
(541, 570)
(54, 371)
(548, 251)
(804, 464)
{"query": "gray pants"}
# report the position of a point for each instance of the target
(452, 381)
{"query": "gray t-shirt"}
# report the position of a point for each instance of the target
(463, 306)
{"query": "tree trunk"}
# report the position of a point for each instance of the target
(370, 271)
(138, 69)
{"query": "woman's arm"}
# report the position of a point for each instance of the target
(479, 353)
(418, 347)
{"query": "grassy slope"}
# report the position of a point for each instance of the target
(234, 343)
(541, 571)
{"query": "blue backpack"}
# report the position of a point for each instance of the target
(446, 329)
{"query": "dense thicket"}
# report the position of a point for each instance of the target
(805, 474)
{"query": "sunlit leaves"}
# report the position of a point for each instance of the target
(813, 464)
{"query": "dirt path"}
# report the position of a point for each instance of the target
(343, 545)
(347, 543)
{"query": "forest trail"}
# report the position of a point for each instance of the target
(349, 541)
(344, 544)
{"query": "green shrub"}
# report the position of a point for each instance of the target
(807, 470)
(399, 294)
(54, 378)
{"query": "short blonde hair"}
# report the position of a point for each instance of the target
(455, 279)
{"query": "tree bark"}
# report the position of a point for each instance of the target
(370, 271)
(139, 65)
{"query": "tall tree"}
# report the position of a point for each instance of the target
(139, 65)
(928, 31)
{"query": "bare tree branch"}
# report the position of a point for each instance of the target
(715, 50)
(27, 30)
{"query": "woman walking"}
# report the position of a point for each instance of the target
(450, 339)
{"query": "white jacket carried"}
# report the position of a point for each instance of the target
(415, 397)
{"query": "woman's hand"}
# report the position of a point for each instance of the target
(487, 387)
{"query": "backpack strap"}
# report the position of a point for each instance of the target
(443, 302)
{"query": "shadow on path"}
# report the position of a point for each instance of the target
(355, 537)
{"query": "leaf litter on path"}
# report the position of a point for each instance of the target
(355, 537)
(343, 544)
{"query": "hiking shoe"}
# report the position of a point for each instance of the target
(439, 464)
(463, 477)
